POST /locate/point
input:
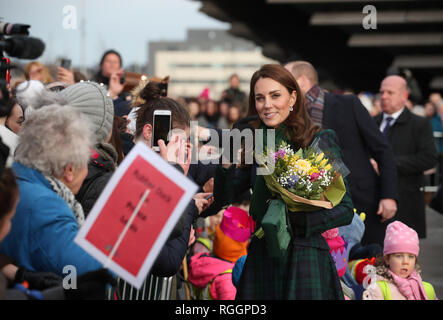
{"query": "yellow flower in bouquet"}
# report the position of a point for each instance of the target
(320, 157)
(302, 166)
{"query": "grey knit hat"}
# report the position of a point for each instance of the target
(94, 102)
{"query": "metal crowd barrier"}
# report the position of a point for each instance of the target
(153, 288)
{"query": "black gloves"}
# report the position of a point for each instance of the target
(91, 286)
(37, 280)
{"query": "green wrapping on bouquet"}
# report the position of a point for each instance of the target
(329, 199)
(275, 228)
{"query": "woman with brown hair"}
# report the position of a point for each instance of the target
(307, 270)
(37, 71)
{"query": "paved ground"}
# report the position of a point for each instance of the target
(431, 252)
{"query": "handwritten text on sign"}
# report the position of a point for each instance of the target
(163, 197)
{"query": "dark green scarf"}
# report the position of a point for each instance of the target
(261, 193)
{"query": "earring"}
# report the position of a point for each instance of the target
(291, 108)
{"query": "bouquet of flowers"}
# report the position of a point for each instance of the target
(301, 181)
(306, 179)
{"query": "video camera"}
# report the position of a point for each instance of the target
(17, 45)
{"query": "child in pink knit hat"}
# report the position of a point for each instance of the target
(396, 274)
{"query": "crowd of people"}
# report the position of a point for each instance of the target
(63, 136)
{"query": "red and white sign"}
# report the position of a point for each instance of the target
(133, 217)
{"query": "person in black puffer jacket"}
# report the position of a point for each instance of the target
(100, 169)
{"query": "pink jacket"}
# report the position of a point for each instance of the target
(204, 268)
(373, 291)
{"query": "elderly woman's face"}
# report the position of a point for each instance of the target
(75, 181)
(272, 101)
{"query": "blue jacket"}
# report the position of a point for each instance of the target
(43, 229)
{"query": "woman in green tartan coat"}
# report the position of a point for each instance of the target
(307, 270)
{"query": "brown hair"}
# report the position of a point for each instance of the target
(300, 127)
(116, 139)
(8, 192)
(152, 94)
(47, 78)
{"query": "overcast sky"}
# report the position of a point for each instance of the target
(125, 25)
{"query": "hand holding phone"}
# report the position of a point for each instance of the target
(66, 64)
(64, 72)
(203, 201)
(160, 127)
(177, 151)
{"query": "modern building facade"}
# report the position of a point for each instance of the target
(206, 59)
(352, 43)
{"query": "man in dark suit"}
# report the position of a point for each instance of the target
(414, 148)
(373, 188)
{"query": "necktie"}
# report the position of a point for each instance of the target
(388, 125)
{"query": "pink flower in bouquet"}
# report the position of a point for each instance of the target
(280, 154)
(314, 176)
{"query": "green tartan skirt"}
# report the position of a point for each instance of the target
(306, 272)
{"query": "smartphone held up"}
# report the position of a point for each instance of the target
(65, 63)
(160, 127)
